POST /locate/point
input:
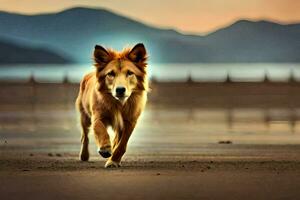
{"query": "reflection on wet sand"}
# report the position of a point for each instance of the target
(180, 117)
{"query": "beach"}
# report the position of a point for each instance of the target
(150, 177)
(230, 144)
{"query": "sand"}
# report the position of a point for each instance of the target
(173, 153)
(62, 176)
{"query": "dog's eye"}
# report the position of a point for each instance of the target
(129, 73)
(111, 74)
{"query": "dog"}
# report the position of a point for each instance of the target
(114, 95)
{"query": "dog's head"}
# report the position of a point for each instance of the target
(120, 74)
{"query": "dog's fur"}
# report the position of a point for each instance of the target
(100, 106)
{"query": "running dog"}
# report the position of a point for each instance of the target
(114, 95)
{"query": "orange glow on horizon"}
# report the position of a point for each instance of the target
(193, 16)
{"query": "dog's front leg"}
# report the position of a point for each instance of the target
(120, 144)
(102, 138)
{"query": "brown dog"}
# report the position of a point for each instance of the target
(114, 95)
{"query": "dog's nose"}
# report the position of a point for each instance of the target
(120, 91)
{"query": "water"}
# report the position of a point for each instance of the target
(160, 131)
(162, 72)
(168, 129)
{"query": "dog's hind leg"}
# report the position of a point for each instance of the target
(85, 125)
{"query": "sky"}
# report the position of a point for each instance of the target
(188, 16)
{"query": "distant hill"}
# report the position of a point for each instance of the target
(14, 54)
(262, 41)
(74, 32)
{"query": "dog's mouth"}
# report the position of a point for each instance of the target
(121, 97)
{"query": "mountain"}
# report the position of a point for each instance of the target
(12, 54)
(262, 41)
(74, 32)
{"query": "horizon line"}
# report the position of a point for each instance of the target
(276, 21)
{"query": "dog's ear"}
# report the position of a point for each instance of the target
(138, 53)
(101, 56)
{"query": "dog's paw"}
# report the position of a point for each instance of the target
(84, 154)
(105, 152)
(112, 164)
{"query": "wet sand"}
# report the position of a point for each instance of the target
(169, 184)
(175, 152)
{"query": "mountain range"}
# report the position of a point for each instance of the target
(19, 54)
(73, 33)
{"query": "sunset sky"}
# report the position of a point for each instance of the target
(190, 16)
